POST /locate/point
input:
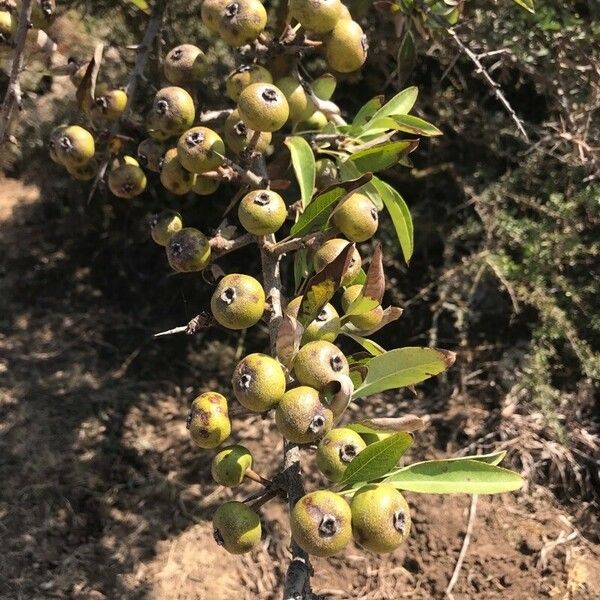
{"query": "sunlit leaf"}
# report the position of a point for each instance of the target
(370, 346)
(407, 423)
(141, 5)
(383, 156)
(526, 4)
(407, 123)
(303, 161)
(390, 314)
(365, 114)
(375, 284)
(289, 335)
(400, 104)
(87, 88)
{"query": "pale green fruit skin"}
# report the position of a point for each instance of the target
(174, 176)
(237, 135)
(325, 327)
(300, 105)
(210, 13)
(198, 149)
(258, 382)
(318, 363)
(174, 110)
(345, 13)
(316, 121)
(346, 47)
(109, 105)
(326, 173)
(230, 465)
(188, 250)
(329, 251)
(307, 516)
(301, 417)
(236, 527)
(164, 225)
(367, 320)
(208, 420)
(127, 181)
(336, 450)
(246, 75)
(75, 146)
(373, 508)
(238, 302)
(238, 26)
(85, 172)
(205, 186)
(319, 16)
(8, 28)
(262, 212)
(357, 218)
(263, 107)
(149, 154)
(185, 64)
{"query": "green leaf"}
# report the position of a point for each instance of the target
(407, 123)
(361, 305)
(494, 458)
(384, 156)
(526, 4)
(324, 86)
(141, 4)
(303, 161)
(402, 367)
(301, 267)
(400, 104)
(370, 346)
(454, 477)
(365, 114)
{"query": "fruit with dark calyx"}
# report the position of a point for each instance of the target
(357, 218)
(258, 382)
(237, 135)
(262, 212)
(164, 225)
(318, 363)
(336, 451)
(185, 64)
(200, 149)
(188, 250)
(326, 325)
(329, 251)
(173, 110)
(236, 527)
(243, 76)
(238, 301)
(263, 107)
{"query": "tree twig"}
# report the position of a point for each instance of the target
(297, 243)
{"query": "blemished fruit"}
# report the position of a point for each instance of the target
(301, 417)
(8, 28)
(318, 363)
(229, 466)
(329, 251)
(200, 149)
(236, 527)
(262, 212)
(237, 135)
(85, 172)
(326, 325)
(300, 105)
(153, 127)
(380, 517)
(127, 180)
(336, 450)
(173, 109)
(210, 12)
(258, 382)
(188, 250)
(208, 420)
(241, 21)
(205, 186)
(263, 107)
(364, 321)
(346, 47)
(319, 16)
(109, 105)
(321, 523)
(75, 146)
(55, 136)
(357, 218)
(150, 153)
(184, 64)
(326, 173)
(243, 76)
(174, 176)
(238, 301)
(164, 225)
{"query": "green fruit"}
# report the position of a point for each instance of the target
(258, 382)
(301, 417)
(300, 105)
(109, 105)
(263, 107)
(243, 76)
(364, 321)
(127, 180)
(319, 16)
(208, 420)
(346, 47)
(174, 176)
(8, 28)
(164, 225)
(380, 517)
(236, 527)
(316, 121)
(345, 13)
(326, 173)
(326, 325)
(200, 149)
(230, 465)
(318, 363)
(357, 218)
(150, 154)
(153, 127)
(329, 251)
(237, 135)
(85, 172)
(188, 250)
(210, 13)
(185, 64)
(262, 212)
(238, 301)
(205, 186)
(174, 110)
(321, 523)
(242, 21)
(75, 146)
(336, 450)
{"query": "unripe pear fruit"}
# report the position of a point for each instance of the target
(229, 466)
(243, 76)
(258, 382)
(346, 47)
(314, 122)
(238, 301)
(174, 176)
(318, 363)
(174, 110)
(127, 180)
(319, 16)
(200, 149)
(326, 325)
(85, 172)
(262, 212)
(237, 135)
(164, 225)
(153, 127)
(185, 64)
(345, 13)
(300, 105)
(380, 517)
(336, 451)
(210, 12)
(188, 250)
(357, 218)
(205, 186)
(324, 85)
(329, 251)
(364, 321)
(301, 417)
(8, 28)
(321, 523)
(236, 527)
(208, 420)
(150, 154)
(109, 105)
(75, 146)
(326, 173)
(242, 21)
(263, 107)
(55, 136)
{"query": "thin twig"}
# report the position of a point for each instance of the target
(297, 243)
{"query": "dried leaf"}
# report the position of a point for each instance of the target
(338, 394)
(406, 423)
(87, 87)
(375, 284)
(288, 339)
(390, 314)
